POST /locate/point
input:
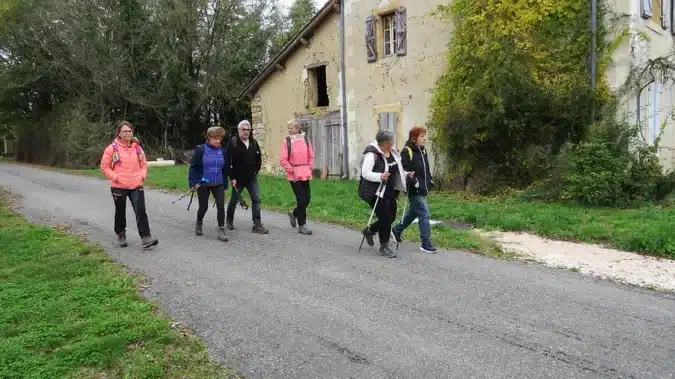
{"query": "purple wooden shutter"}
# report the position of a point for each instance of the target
(371, 39)
(401, 32)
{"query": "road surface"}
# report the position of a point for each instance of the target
(288, 306)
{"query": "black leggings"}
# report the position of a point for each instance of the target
(386, 215)
(218, 192)
(302, 196)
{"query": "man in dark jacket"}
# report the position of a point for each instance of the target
(245, 160)
(414, 158)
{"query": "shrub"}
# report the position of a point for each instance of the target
(612, 167)
(515, 89)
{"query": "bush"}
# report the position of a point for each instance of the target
(514, 92)
(612, 167)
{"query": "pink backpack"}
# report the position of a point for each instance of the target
(116, 153)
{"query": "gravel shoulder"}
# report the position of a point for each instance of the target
(597, 261)
(289, 306)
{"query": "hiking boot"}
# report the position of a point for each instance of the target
(427, 247)
(292, 219)
(198, 228)
(149, 242)
(259, 228)
(222, 236)
(397, 236)
(304, 231)
(229, 224)
(369, 236)
(122, 240)
(386, 251)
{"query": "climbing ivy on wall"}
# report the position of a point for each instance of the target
(515, 90)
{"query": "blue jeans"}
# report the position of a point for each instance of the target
(418, 208)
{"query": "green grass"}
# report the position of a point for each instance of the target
(646, 230)
(67, 311)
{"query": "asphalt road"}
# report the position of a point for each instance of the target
(288, 306)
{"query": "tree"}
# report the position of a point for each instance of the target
(300, 13)
(515, 89)
(74, 68)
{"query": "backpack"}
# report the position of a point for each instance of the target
(116, 152)
(410, 152)
(288, 144)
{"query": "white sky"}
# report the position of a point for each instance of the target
(319, 3)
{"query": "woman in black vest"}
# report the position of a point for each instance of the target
(382, 176)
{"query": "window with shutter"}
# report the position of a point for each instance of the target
(389, 34)
(401, 32)
(371, 39)
(646, 6)
(388, 122)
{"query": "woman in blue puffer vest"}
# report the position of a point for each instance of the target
(209, 170)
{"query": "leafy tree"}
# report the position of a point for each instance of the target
(299, 14)
(74, 68)
(515, 89)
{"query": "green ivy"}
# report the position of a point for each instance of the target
(516, 89)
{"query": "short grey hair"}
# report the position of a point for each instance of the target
(383, 137)
(242, 123)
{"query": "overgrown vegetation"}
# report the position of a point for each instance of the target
(611, 167)
(70, 70)
(515, 107)
(69, 312)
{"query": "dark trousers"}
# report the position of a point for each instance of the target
(137, 199)
(218, 192)
(386, 214)
(254, 191)
(302, 196)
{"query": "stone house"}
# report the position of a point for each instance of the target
(393, 51)
(649, 102)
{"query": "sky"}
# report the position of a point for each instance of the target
(319, 3)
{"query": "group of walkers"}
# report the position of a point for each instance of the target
(214, 165)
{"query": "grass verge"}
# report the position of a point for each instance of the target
(646, 230)
(69, 312)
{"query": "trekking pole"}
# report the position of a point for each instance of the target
(191, 192)
(377, 199)
(405, 204)
(242, 202)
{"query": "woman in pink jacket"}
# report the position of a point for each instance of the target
(125, 166)
(297, 158)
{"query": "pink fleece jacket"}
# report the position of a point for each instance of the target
(300, 164)
(125, 167)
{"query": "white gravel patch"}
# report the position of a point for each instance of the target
(605, 263)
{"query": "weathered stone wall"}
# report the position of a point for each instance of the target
(287, 92)
(402, 84)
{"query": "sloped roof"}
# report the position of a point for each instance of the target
(290, 47)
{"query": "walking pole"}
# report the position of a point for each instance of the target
(405, 204)
(377, 198)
